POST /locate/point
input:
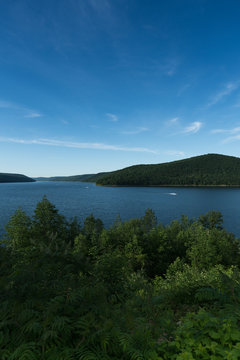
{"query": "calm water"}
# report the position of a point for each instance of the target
(82, 199)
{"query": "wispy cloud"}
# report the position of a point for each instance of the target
(7, 104)
(183, 89)
(229, 88)
(99, 6)
(167, 67)
(76, 145)
(137, 131)
(33, 115)
(193, 128)
(171, 67)
(153, 67)
(237, 105)
(28, 113)
(112, 117)
(235, 132)
(226, 131)
(173, 121)
(94, 126)
(231, 139)
(65, 122)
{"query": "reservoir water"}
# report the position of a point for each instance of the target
(82, 199)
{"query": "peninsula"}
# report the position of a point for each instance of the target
(9, 178)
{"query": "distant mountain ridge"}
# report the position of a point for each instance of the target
(204, 170)
(81, 178)
(65, 178)
(6, 178)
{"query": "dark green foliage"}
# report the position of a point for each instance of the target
(211, 169)
(185, 284)
(205, 336)
(208, 248)
(134, 291)
(5, 178)
(18, 230)
(212, 219)
(46, 221)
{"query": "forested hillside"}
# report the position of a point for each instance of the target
(211, 169)
(5, 178)
(135, 291)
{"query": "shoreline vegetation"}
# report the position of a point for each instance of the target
(211, 170)
(174, 186)
(12, 178)
(138, 290)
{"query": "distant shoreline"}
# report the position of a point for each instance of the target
(180, 186)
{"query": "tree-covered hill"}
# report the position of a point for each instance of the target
(5, 178)
(204, 170)
(96, 177)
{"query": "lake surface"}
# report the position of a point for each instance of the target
(82, 199)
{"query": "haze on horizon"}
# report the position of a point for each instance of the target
(91, 86)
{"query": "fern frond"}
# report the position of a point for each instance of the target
(5, 354)
(209, 294)
(50, 336)
(67, 354)
(82, 326)
(123, 340)
(84, 353)
(135, 354)
(105, 341)
(60, 322)
(28, 351)
(32, 327)
(27, 314)
(72, 296)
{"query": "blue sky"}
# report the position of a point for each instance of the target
(98, 85)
